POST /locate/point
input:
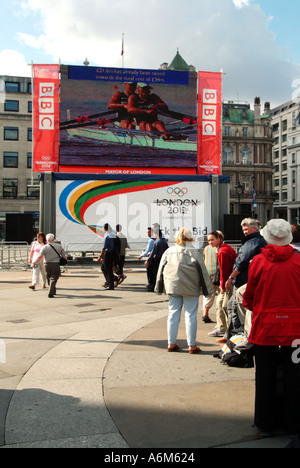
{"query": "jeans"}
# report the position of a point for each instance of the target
(191, 305)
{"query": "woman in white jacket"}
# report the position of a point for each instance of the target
(183, 276)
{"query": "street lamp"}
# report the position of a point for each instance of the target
(240, 191)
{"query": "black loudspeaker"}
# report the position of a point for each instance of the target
(19, 228)
(232, 227)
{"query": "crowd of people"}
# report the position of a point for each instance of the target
(258, 298)
(256, 291)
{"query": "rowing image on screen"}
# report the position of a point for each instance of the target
(111, 117)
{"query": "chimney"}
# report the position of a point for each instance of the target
(257, 110)
(267, 108)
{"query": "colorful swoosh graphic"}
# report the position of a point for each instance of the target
(78, 196)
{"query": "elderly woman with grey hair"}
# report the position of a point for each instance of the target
(183, 276)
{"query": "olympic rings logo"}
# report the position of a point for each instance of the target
(177, 192)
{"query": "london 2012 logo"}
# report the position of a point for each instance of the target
(177, 191)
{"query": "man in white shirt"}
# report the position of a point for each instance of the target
(52, 252)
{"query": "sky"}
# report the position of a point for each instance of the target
(254, 42)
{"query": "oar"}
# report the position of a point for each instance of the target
(86, 118)
(179, 116)
(89, 123)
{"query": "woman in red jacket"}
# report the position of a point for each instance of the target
(273, 294)
(226, 259)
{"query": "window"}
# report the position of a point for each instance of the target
(10, 159)
(227, 131)
(245, 131)
(227, 155)
(11, 87)
(10, 188)
(245, 156)
(11, 133)
(284, 181)
(11, 106)
(284, 166)
(30, 107)
(33, 188)
(29, 160)
(29, 134)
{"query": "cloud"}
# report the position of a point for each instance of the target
(13, 63)
(241, 3)
(211, 34)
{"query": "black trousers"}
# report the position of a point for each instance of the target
(277, 397)
(107, 269)
(53, 273)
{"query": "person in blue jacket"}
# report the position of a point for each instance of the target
(253, 243)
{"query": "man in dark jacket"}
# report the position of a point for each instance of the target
(253, 242)
(159, 247)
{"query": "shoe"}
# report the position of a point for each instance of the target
(216, 334)
(206, 319)
(195, 350)
(222, 340)
(32, 287)
(50, 296)
(173, 349)
(107, 288)
(44, 286)
(121, 279)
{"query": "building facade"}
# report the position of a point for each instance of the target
(286, 156)
(19, 187)
(247, 158)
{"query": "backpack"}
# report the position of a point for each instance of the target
(234, 358)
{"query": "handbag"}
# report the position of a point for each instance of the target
(216, 279)
(160, 281)
(62, 261)
(201, 280)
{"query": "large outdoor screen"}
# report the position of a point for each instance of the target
(111, 117)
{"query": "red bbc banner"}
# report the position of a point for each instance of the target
(45, 118)
(210, 123)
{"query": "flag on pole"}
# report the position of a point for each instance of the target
(122, 51)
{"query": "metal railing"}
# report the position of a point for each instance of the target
(14, 254)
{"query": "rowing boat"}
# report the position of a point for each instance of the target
(131, 138)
